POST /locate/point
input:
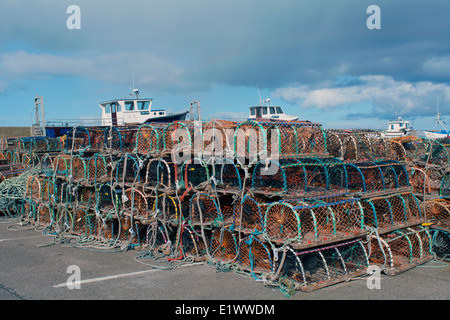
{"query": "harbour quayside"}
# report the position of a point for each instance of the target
(116, 112)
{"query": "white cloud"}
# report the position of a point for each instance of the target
(111, 67)
(381, 91)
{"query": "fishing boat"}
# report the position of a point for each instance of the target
(398, 128)
(435, 134)
(128, 111)
(116, 112)
(266, 111)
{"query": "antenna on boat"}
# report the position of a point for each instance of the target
(259, 93)
(438, 117)
(134, 91)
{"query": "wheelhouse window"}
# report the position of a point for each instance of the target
(143, 105)
(272, 110)
(252, 111)
(107, 108)
(279, 110)
(129, 105)
(264, 110)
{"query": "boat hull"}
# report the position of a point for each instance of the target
(169, 118)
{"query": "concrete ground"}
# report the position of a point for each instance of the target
(32, 268)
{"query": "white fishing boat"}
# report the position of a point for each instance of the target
(135, 110)
(268, 112)
(398, 128)
(435, 134)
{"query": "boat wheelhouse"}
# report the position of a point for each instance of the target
(398, 128)
(269, 112)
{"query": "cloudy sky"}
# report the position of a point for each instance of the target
(317, 58)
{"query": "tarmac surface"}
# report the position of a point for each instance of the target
(33, 267)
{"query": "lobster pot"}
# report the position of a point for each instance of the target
(112, 139)
(84, 222)
(179, 136)
(96, 168)
(63, 218)
(193, 243)
(66, 194)
(165, 207)
(61, 165)
(47, 168)
(40, 145)
(147, 139)
(78, 170)
(393, 211)
(249, 215)
(311, 224)
(97, 137)
(3, 144)
(380, 148)
(33, 188)
(85, 197)
(228, 175)
(254, 256)
(106, 198)
(433, 152)
(160, 174)
(135, 204)
(195, 173)
(44, 215)
(337, 216)
(397, 151)
(123, 229)
(440, 243)
(311, 139)
(444, 190)
(157, 236)
(274, 176)
(54, 144)
(49, 191)
(127, 169)
(421, 182)
(394, 173)
(437, 211)
(128, 135)
(335, 145)
(401, 250)
(250, 142)
(324, 266)
(77, 138)
(282, 140)
(224, 246)
(203, 209)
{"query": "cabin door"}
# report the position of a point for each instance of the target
(258, 112)
(114, 114)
